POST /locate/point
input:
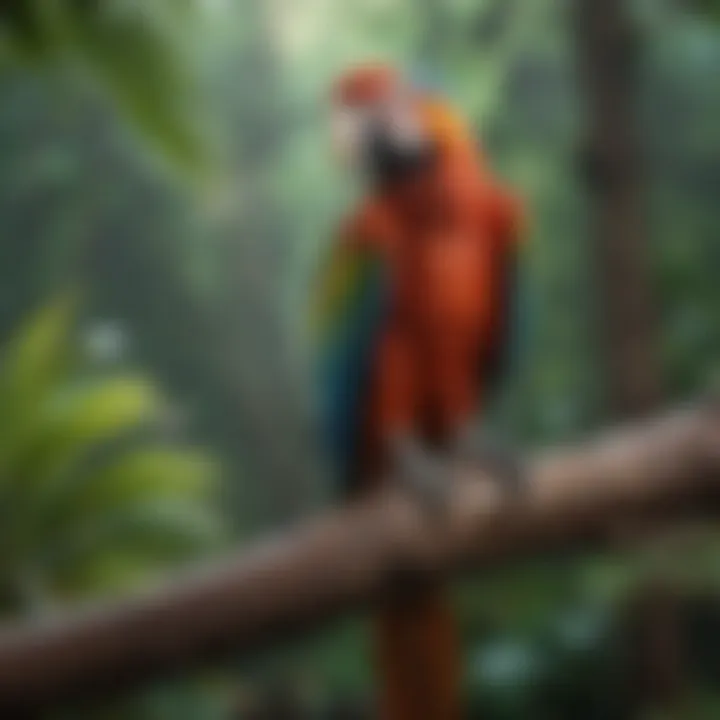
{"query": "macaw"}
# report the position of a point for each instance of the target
(412, 314)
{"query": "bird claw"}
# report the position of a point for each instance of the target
(428, 477)
(425, 476)
(499, 461)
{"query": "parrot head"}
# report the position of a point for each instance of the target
(389, 126)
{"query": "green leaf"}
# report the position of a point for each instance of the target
(82, 417)
(37, 359)
(143, 74)
(138, 476)
(157, 530)
(128, 48)
(69, 429)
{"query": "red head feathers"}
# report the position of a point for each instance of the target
(372, 85)
(366, 85)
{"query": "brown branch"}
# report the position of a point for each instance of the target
(581, 494)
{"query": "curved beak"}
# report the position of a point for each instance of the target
(386, 142)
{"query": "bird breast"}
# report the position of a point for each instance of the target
(445, 280)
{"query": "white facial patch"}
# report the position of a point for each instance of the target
(347, 129)
(394, 119)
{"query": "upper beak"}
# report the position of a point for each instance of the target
(395, 149)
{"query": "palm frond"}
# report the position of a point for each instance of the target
(87, 492)
(128, 48)
(36, 360)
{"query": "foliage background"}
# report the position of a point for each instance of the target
(169, 159)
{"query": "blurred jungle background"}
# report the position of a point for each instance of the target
(166, 189)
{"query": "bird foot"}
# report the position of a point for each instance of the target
(423, 474)
(499, 460)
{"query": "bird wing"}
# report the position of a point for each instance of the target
(347, 315)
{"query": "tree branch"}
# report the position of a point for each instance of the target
(668, 466)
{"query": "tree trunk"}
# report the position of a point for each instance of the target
(656, 646)
(608, 49)
(611, 159)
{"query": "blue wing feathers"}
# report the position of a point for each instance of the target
(353, 294)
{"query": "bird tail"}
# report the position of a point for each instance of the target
(418, 657)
